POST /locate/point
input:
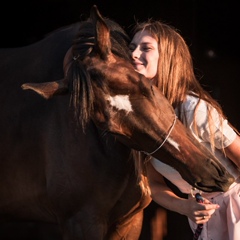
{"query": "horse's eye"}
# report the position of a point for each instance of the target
(132, 47)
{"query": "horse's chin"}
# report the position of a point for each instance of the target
(221, 187)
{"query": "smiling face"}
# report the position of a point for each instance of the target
(145, 53)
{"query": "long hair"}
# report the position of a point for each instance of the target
(176, 77)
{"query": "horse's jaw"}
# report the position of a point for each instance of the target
(197, 174)
(184, 153)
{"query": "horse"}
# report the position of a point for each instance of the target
(69, 146)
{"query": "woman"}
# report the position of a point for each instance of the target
(161, 54)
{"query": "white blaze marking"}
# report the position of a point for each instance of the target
(173, 143)
(121, 102)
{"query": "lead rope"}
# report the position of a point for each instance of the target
(173, 124)
(198, 231)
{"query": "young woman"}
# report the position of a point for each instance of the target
(161, 54)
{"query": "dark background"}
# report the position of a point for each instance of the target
(211, 29)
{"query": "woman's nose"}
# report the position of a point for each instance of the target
(136, 53)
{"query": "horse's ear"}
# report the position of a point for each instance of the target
(102, 34)
(47, 89)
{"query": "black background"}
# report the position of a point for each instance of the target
(207, 24)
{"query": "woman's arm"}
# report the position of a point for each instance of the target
(165, 197)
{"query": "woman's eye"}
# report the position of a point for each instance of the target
(146, 49)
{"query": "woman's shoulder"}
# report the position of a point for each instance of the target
(192, 101)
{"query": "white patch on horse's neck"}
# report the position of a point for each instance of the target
(173, 143)
(120, 102)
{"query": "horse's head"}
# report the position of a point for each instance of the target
(105, 88)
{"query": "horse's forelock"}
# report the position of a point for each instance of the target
(81, 92)
(78, 77)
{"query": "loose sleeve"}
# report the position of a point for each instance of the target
(224, 135)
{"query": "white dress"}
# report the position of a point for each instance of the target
(225, 222)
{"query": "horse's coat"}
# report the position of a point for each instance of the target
(84, 179)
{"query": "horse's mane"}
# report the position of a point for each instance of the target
(82, 95)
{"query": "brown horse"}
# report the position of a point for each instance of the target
(68, 160)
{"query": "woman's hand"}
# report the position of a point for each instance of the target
(199, 213)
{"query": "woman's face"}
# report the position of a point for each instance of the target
(145, 53)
